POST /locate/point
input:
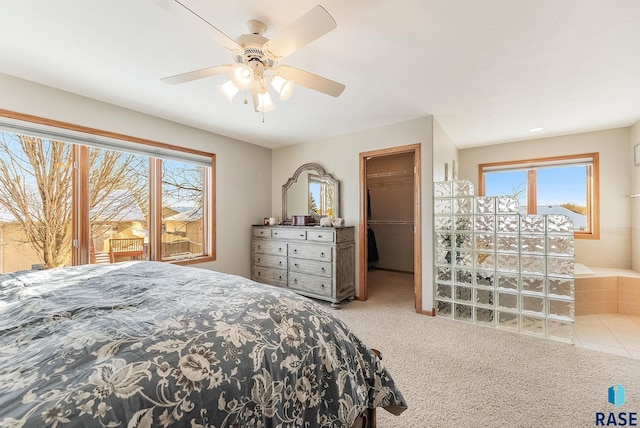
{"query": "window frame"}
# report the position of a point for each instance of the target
(154, 150)
(530, 165)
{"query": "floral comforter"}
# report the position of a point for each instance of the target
(147, 344)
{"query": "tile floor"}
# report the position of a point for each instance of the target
(612, 333)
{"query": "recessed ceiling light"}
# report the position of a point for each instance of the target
(536, 129)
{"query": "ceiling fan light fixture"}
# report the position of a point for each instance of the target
(228, 90)
(264, 102)
(242, 76)
(256, 58)
(283, 86)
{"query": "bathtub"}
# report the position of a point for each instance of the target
(606, 291)
(581, 271)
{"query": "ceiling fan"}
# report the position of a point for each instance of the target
(256, 57)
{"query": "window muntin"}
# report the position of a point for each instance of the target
(559, 185)
(87, 193)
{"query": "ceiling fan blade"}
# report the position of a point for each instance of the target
(310, 80)
(197, 74)
(303, 31)
(176, 7)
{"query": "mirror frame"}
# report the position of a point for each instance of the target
(318, 171)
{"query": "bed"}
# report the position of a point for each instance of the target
(150, 344)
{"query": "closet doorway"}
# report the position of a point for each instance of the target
(390, 213)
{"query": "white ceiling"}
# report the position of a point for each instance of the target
(488, 70)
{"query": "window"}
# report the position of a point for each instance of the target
(565, 185)
(182, 208)
(35, 202)
(118, 202)
(71, 195)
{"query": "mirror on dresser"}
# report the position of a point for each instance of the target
(310, 192)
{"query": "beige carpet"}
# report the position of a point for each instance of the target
(454, 374)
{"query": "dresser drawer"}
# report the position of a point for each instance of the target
(261, 232)
(310, 251)
(289, 234)
(312, 267)
(269, 260)
(260, 246)
(320, 235)
(269, 276)
(311, 284)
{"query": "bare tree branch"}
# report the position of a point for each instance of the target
(181, 184)
(36, 189)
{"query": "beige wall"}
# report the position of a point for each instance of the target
(339, 156)
(613, 249)
(444, 153)
(635, 202)
(243, 170)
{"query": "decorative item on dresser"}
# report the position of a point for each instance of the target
(312, 261)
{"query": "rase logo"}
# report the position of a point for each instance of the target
(615, 397)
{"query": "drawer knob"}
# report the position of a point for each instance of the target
(322, 270)
(302, 235)
(295, 251)
(280, 262)
(295, 281)
(259, 259)
(280, 249)
(319, 236)
(259, 273)
(322, 254)
(295, 264)
(275, 233)
(322, 285)
(280, 277)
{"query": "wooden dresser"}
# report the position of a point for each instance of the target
(318, 262)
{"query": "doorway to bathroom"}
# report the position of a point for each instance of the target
(390, 229)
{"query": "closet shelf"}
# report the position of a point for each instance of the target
(410, 222)
(390, 174)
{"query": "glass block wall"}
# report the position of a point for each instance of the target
(498, 268)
